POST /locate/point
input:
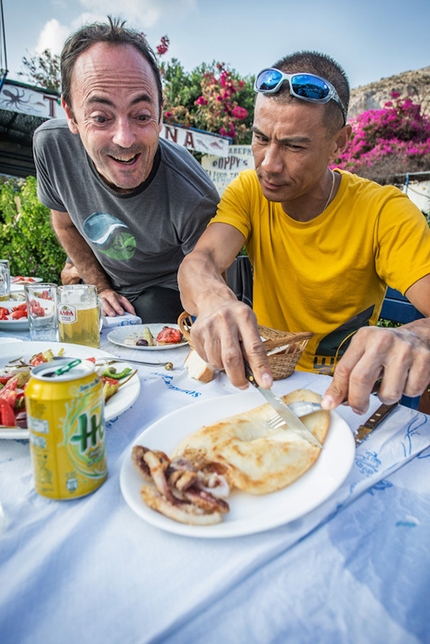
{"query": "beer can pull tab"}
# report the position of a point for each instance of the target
(63, 369)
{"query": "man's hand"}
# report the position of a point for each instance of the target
(220, 336)
(114, 304)
(399, 356)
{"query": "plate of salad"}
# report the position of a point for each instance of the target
(13, 316)
(121, 384)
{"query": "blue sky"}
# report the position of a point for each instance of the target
(372, 39)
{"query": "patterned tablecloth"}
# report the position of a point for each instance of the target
(355, 569)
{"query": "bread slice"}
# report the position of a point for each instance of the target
(197, 368)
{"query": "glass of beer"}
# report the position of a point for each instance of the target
(4, 280)
(79, 314)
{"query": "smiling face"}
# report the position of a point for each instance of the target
(116, 112)
(292, 149)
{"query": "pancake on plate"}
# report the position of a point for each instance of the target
(241, 451)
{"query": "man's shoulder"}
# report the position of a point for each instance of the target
(52, 125)
(181, 163)
(54, 133)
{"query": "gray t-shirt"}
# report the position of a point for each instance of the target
(141, 237)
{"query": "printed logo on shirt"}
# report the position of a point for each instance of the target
(110, 236)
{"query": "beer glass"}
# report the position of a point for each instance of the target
(79, 314)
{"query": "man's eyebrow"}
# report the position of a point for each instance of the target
(142, 98)
(287, 139)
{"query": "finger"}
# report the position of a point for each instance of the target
(111, 306)
(128, 306)
(258, 360)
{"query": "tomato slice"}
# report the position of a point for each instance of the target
(17, 315)
(7, 415)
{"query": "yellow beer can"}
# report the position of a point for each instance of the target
(65, 418)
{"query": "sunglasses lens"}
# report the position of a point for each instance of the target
(268, 80)
(309, 86)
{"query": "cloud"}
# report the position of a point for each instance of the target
(139, 12)
(52, 37)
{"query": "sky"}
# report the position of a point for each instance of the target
(371, 39)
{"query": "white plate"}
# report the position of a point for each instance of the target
(19, 286)
(248, 514)
(13, 325)
(115, 406)
(117, 336)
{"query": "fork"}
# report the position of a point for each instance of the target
(299, 408)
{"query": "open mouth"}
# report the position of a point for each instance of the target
(128, 161)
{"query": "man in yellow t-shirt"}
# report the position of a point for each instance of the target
(324, 245)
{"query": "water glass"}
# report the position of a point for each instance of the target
(79, 314)
(42, 311)
(4, 280)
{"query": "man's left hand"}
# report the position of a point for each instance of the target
(399, 356)
(115, 304)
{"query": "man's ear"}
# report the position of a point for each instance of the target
(70, 117)
(340, 141)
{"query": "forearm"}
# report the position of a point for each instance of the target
(201, 283)
(80, 253)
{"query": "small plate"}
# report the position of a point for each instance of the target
(117, 336)
(115, 406)
(19, 286)
(13, 325)
(249, 514)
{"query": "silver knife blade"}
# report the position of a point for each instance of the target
(282, 409)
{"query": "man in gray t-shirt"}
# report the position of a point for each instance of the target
(126, 205)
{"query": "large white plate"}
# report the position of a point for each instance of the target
(248, 514)
(115, 406)
(117, 336)
(13, 325)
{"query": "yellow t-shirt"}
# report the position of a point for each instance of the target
(328, 275)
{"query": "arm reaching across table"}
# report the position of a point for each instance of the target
(223, 323)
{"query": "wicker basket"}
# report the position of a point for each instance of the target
(282, 363)
(185, 322)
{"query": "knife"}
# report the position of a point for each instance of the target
(282, 409)
(371, 423)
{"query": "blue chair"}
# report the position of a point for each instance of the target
(397, 308)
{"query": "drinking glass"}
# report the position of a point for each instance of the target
(4, 280)
(79, 314)
(42, 311)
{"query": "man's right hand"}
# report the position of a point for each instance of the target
(221, 333)
(114, 304)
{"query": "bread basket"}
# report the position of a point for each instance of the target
(282, 363)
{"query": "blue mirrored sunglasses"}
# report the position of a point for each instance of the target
(307, 87)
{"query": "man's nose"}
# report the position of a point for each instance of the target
(272, 161)
(123, 133)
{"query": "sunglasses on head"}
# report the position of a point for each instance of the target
(307, 87)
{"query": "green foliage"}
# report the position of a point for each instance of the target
(212, 97)
(26, 236)
(43, 70)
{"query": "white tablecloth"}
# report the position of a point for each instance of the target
(356, 569)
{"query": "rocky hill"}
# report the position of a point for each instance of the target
(415, 84)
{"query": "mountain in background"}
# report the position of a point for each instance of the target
(415, 84)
